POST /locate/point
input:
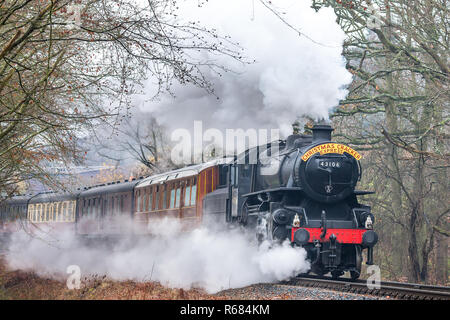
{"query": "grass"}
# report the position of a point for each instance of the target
(22, 285)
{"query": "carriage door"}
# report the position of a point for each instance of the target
(103, 208)
(233, 194)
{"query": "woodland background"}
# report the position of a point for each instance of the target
(56, 75)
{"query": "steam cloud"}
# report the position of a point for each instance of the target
(293, 76)
(206, 258)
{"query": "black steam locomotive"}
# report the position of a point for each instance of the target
(301, 189)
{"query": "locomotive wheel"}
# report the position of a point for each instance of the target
(242, 218)
(336, 274)
(319, 270)
(358, 262)
(354, 275)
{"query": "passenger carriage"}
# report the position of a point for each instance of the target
(104, 209)
(178, 194)
(51, 211)
(13, 214)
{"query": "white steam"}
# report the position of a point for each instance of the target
(208, 258)
(293, 76)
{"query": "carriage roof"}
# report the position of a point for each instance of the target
(109, 188)
(53, 197)
(17, 200)
(181, 173)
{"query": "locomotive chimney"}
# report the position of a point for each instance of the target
(321, 132)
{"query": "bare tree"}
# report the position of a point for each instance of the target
(68, 66)
(139, 138)
(397, 109)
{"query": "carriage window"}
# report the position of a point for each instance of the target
(164, 203)
(172, 199)
(50, 211)
(112, 205)
(64, 211)
(193, 195)
(65, 215)
(138, 195)
(150, 200)
(145, 205)
(60, 211)
(45, 212)
(59, 214)
(137, 200)
(98, 212)
(157, 198)
(68, 211)
(55, 211)
(74, 206)
(35, 213)
(72, 210)
(142, 200)
(177, 201)
(30, 212)
(83, 210)
(187, 195)
(99, 207)
(41, 211)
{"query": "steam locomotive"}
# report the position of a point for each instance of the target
(303, 190)
(300, 190)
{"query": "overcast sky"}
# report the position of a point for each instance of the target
(294, 75)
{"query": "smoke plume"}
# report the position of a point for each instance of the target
(293, 75)
(206, 258)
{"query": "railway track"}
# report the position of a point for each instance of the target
(399, 290)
